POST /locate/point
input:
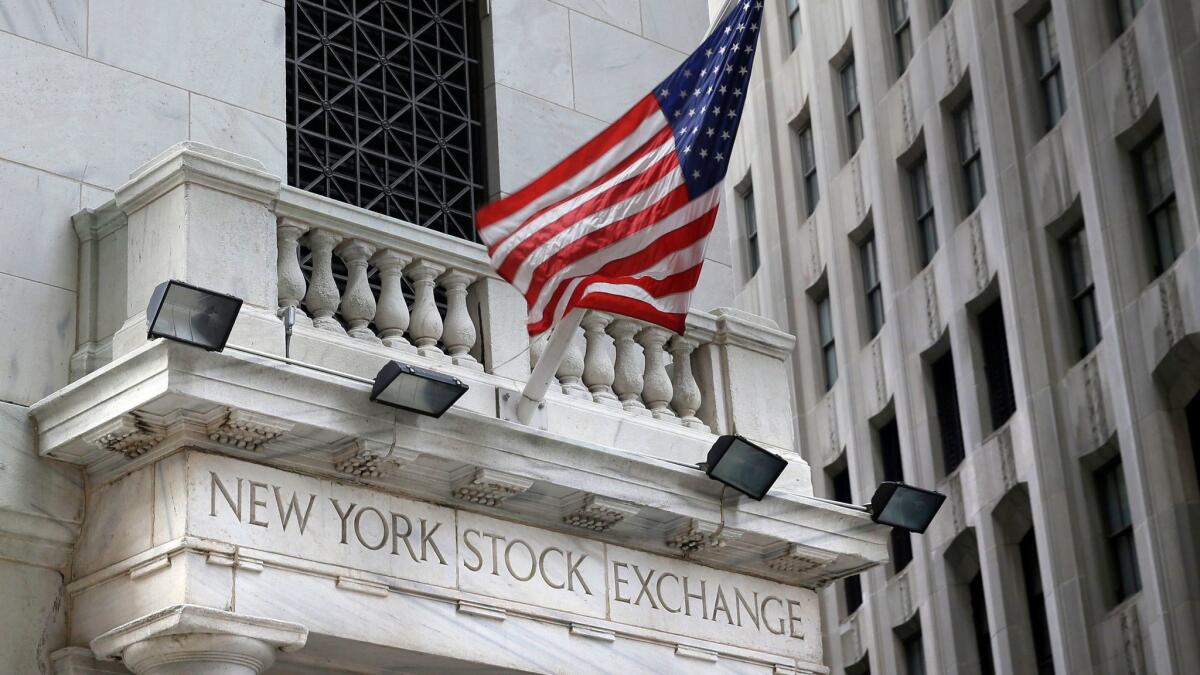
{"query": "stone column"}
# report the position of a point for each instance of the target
(458, 332)
(292, 286)
(391, 314)
(598, 370)
(630, 364)
(195, 640)
(656, 389)
(425, 326)
(358, 302)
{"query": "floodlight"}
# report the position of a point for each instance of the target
(415, 389)
(743, 466)
(190, 314)
(904, 506)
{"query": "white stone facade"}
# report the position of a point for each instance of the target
(1126, 397)
(169, 510)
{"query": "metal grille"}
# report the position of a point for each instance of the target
(384, 107)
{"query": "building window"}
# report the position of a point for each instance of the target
(793, 17)
(871, 285)
(969, 156)
(892, 469)
(1192, 417)
(839, 482)
(828, 346)
(1117, 527)
(901, 34)
(979, 620)
(927, 239)
(850, 108)
(808, 170)
(751, 223)
(1083, 291)
(1125, 11)
(385, 109)
(1049, 69)
(1153, 166)
(913, 649)
(945, 396)
(996, 367)
(941, 7)
(1035, 602)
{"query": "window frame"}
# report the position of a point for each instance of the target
(795, 27)
(1164, 236)
(1048, 68)
(948, 411)
(808, 169)
(925, 218)
(912, 649)
(941, 8)
(1117, 534)
(901, 27)
(872, 282)
(1035, 604)
(1081, 289)
(750, 231)
(891, 464)
(970, 159)
(993, 343)
(1125, 12)
(827, 347)
(851, 106)
(980, 625)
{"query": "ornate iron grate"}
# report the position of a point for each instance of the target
(385, 107)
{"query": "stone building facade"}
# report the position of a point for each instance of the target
(984, 217)
(164, 509)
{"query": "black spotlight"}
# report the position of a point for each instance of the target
(190, 314)
(904, 506)
(419, 390)
(743, 466)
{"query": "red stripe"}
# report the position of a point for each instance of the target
(633, 308)
(646, 148)
(610, 197)
(671, 242)
(577, 161)
(589, 244)
(676, 283)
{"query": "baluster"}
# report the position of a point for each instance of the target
(459, 333)
(629, 366)
(598, 371)
(391, 315)
(570, 371)
(358, 303)
(426, 326)
(322, 297)
(291, 277)
(686, 400)
(657, 390)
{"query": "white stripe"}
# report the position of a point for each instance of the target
(604, 163)
(624, 248)
(554, 214)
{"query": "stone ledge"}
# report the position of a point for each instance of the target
(193, 619)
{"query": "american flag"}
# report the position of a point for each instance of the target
(621, 224)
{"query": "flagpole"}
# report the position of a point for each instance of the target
(546, 366)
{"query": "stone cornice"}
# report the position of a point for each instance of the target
(735, 327)
(195, 619)
(199, 164)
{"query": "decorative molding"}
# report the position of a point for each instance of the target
(797, 559)
(697, 653)
(953, 66)
(370, 459)
(481, 610)
(852, 650)
(957, 511)
(365, 587)
(1093, 385)
(697, 535)
(1008, 467)
(246, 430)
(488, 487)
(933, 319)
(906, 111)
(130, 435)
(860, 200)
(148, 568)
(877, 365)
(903, 605)
(1168, 297)
(814, 251)
(600, 514)
(593, 633)
(1131, 69)
(832, 421)
(1131, 639)
(978, 252)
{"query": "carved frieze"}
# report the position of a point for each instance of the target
(933, 319)
(369, 459)
(1008, 467)
(1172, 315)
(953, 65)
(1131, 69)
(1093, 384)
(130, 435)
(697, 535)
(488, 487)
(797, 559)
(246, 430)
(979, 263)
(599, 514)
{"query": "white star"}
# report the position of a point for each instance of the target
(687, 73)
(724, 135)
(709, 90)
(664, 92)
(719, 157)
(753, 26)
(710, 132)
(749, 48)
(703, 72)
(695, 129)
(682, 92)
(728, 30)
(742, 70)
(737, 92)
(692, 112)
(736, 47)
(695, 174)
(697, 91)
(708, 53)
(687, 149)
(721, 49)
(723, 89)
(729, 68)
(678, 113)
(741, 26)
(716, 110)
(746, 6)
(732, 113)
(703, 152)
(758, 5)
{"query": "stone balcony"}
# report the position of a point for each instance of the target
(609, 458)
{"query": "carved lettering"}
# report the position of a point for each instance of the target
(751, 607)
(720, 605)
(358, 529)
(658, 587)
(495, 558)
(427, 541)
(793, 619)
(255, 503)
(234, 505)
(478, 556)
(617, 581)
(765, 620)
(508, 560)
(293, 507)
(342, 515)
(542, 567)
(645, 582)
(573, 572)
(688, 596)
(397, 537)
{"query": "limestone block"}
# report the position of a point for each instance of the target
(127, 118)
(620, 13)
(501, 311)
(58, 23)
(36, 338)
(537, 135)
(679, 24)
(715, 288)
(119, 522)
(531, 48)
(40, 220)
(33, 622)
(758, 400)
(232, 50)
(613, 69)
(239, 130)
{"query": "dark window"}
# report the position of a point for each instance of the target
(1125, 11)
(941, 7)
(751, 222)
(1083, 291)
(945, 396)
(793, 16)
(983, 637)
(1192, 415)
(828, 345)
(808, 169)
(927, 238)
(1118, 529)
(901, 34)
(996, 369)
(1035, 601)
(1049, 69)
(385, 111)
(840, 482)
(852, 588)
(914, 654)
(1153, 166)
(854, 130)
(970, 158)
(893, 470)
(871, 285)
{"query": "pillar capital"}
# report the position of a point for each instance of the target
(199, 641)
